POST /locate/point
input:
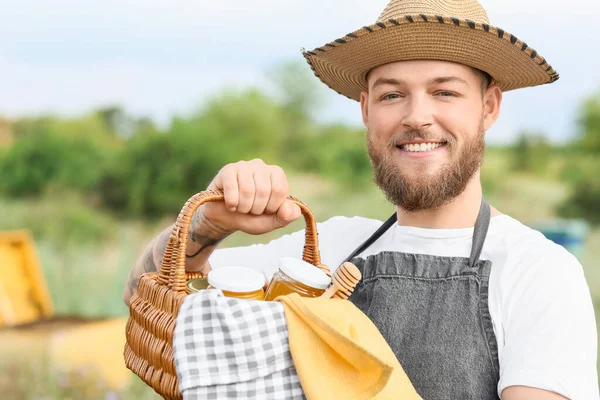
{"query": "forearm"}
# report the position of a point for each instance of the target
(203, 238)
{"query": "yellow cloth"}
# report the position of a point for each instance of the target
(340, 354)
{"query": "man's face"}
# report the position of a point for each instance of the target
(425, 122)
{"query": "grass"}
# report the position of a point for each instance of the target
(42, 381)
(87, 279)
(86, 257)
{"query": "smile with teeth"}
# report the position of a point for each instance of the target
(420, 147)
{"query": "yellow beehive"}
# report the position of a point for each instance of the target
(24, 296)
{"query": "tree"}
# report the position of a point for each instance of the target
(584, 167)
(54, 152)
(241, 125)
(120, 124)
(531, 152)
(588, 123)
(522, 153)
(584, 200)
(297, 90)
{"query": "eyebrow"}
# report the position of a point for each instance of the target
(446, 79)
(388, 81)
(434, 81)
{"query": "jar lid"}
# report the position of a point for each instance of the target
(236, 279)
(197, 284)
(304, 272)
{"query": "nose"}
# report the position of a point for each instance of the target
(418, 115)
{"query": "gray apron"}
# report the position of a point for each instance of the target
(433, 312)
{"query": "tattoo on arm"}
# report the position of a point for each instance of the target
(203, 231)
(200, 221)
(206, 240)
(158, 251)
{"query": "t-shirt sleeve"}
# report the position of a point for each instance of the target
(337, 237)
(550, 338)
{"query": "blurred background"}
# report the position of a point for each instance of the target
(114, 113)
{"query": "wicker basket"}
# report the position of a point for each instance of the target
(154, 308)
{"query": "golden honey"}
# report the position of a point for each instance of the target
(282, 285)
(255, 295)
(297, 276)
(238, 282)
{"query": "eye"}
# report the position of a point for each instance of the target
(446, 94)
(391, 96)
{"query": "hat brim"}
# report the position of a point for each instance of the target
(343, 64)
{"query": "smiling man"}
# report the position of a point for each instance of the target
(417, 113)
(474, 304)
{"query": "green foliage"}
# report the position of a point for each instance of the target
(156, 172)
(237, 126)
(584, 202)
(297, 91)
(588, 122)
(36, 378)
(134, 169)
(344, 154)
(48, 152)
(495, 165)
(63, 218)
(582, 169)
(582, 172)
(531, 153)
(130, 167)
(334, 151)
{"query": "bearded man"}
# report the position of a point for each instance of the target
(474, 304)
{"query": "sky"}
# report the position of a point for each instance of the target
(161, 58)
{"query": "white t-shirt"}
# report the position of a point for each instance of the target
(539, 300)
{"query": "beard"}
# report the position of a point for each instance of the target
(420, 190)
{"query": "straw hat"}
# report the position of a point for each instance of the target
(449, 30)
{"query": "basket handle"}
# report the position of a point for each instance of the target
(172, 271)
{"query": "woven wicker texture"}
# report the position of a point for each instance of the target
(447, 30)
(154, 308)
(465, 9)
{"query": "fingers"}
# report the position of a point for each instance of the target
(254, 187)
(288, 212)
(227, 181)
(279, 190)
(262, 184)
(247, 188)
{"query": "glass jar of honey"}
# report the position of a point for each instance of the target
(297, 276)
(197, 284)
(238, 282)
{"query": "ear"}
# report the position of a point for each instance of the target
(492, 100)
(364, 107)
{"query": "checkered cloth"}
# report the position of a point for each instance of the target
(228, 348)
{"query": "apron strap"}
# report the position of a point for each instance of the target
(480, 232)
(386, 225)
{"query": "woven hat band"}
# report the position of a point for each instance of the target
(446, 30)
